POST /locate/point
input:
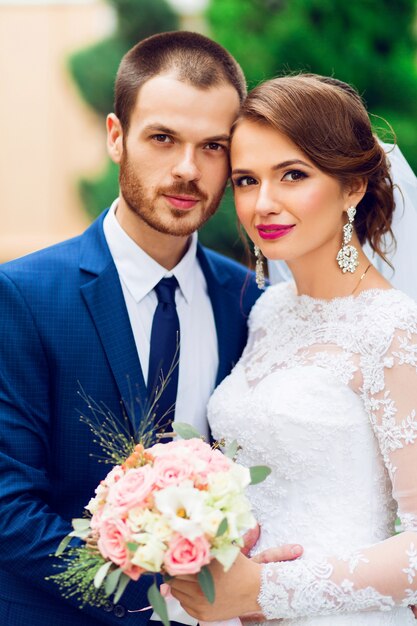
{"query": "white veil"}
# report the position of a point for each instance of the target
(404, 226)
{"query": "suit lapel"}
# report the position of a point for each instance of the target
(223, 301)
(104, 298)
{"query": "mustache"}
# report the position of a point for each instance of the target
(186, 189)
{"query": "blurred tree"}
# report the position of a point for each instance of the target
(368, 43)
(94, 69)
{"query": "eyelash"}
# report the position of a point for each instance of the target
(239, 182)
(218, 146)
(299, 173)
(161, 136)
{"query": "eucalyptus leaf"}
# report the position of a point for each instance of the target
(223, 526)
(62, 546)
(123, 583)
(206, 582)
(101, 574)
(258, 473)
(112, 581)
(158, 603)
(186, 431)
(232, 449)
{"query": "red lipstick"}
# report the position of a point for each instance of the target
(274, 231)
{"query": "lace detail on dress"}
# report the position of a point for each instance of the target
(307, 588)
(326, 395)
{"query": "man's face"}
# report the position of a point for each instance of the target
(174, 159)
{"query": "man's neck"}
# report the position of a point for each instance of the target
(165, 249)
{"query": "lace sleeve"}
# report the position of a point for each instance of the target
(384, 575)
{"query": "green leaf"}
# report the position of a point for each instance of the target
(112, 581)
(232, 449)
(63, 544)
(186, 431)
(258, 473)
(158, 603)
(132, 546)
(223, 526)
(207, 583)
(101, 574)
(123, 583)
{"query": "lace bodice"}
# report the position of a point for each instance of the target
(326, 395)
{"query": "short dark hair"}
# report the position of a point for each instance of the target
(193, 58)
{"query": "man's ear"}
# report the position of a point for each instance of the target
(114, 138)
(356, 191)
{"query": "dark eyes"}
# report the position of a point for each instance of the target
(162, 138)
(215, 147)
(212, 146)
(294, 175)
(244, 181)
(290, 176)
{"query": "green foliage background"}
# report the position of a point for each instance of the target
(368, 43)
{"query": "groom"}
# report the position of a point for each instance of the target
(90, 314)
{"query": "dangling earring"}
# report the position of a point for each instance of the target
(259, 268)
(347, 257)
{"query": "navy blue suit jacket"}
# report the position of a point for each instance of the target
(63, 322)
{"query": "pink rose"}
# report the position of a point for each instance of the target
(186, 557)
(218, 462)
(199, 448)
(112, 541)
(132, 489)
(133, 571)
(171, 470)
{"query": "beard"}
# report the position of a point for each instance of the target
(166, 219)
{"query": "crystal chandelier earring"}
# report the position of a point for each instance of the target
(259, 268)
(347, 257)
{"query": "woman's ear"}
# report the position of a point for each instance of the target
(356, 191)
(114, 138)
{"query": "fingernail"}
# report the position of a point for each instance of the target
(296, 550)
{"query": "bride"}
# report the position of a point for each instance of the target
(326, 390)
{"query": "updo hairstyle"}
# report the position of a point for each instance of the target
(327, 120)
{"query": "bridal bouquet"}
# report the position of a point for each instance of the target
(169, 509)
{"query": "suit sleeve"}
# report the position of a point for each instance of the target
(30, 530)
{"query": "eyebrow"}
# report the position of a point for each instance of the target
(165, 130)
(278, 166)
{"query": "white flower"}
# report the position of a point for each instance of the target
(211, 522)
(184, 508)
(150, 554)
(226, 553)
(143, 520)
(93, 505)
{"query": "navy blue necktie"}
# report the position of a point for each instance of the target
(164, 356)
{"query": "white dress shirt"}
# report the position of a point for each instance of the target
(139, 273)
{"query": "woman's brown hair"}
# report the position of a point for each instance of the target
(328, 121)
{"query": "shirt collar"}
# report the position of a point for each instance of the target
(139, 271)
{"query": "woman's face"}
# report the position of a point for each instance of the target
(288, 207)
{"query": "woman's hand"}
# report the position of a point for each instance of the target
(236, 591)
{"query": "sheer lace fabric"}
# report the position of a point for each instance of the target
(326, 395)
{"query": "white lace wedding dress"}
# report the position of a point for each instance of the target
(326, 395)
